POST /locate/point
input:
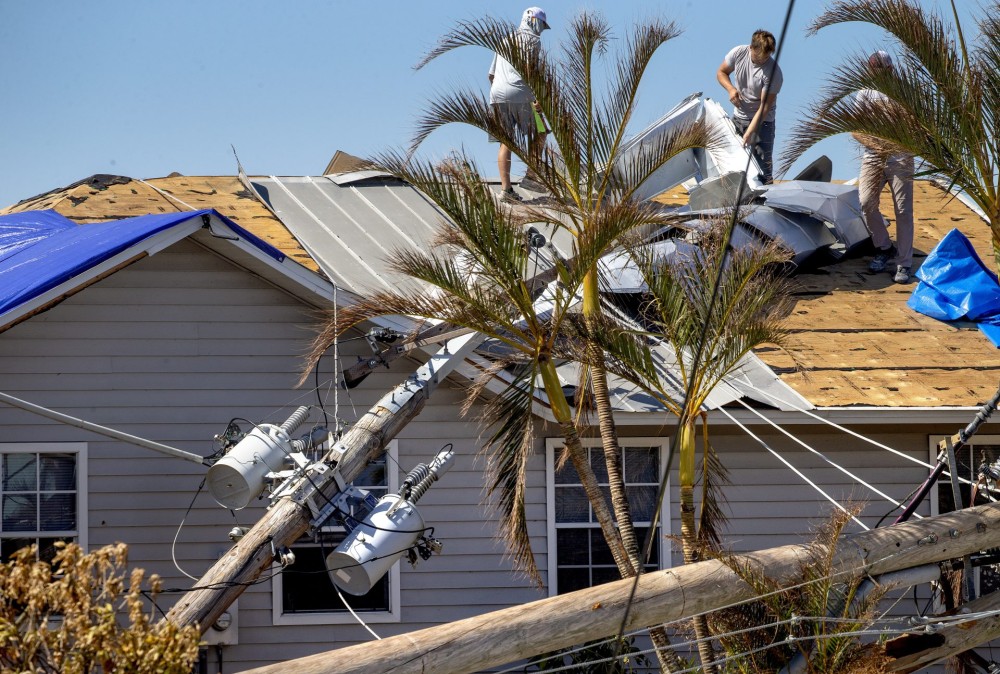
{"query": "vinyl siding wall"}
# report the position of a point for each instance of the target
(176, 345)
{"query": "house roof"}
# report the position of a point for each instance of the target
(100, 198)
(853, 340)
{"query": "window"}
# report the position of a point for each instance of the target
(578, 555)
(303, 593)
(42, 496)
(982, 451)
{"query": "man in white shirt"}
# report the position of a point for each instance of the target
(878, 169)
(511, 96)
(754, 96)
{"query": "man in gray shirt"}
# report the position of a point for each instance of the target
(754, 95)
(511, 96)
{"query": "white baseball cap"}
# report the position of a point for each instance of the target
(880, 58)
(536, 13)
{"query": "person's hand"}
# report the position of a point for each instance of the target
(749, 138)
(734, 97)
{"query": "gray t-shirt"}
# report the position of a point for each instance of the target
(751, 80)
(508, 87)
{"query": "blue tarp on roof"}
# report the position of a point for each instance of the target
(39, 250)
(955, 284)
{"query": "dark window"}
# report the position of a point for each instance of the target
(38, 501)
(306, 586)
(971, 459)
(583, 558)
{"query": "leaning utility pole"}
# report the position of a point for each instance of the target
(290, 516)
(529, 630)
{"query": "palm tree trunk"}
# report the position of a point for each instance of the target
(689, 531)
(669, 660)
(578, 455)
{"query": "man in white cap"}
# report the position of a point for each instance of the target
(511, 96)
(878, 169)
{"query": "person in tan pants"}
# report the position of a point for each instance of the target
(877, 170)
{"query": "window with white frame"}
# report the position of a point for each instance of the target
(303, 593)
(578, 555)
(980, 453)
(42, 496)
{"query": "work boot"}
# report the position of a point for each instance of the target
(881, 259)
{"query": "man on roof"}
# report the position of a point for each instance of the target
(878, 168)
(754, 96)
(511, 97)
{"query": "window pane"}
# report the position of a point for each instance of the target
(572, 546)
(19, 472)
(567, 474)
(571, 580)
(20, 513)
(600, 553)
(605, 574)
(654, 554)
(306, 586)
(8, 546)
(642, 501)
(571, 505)
(599, 465)
(58, 472)
(641, 464)
(47, 548)
(58, 512)
(373, 475)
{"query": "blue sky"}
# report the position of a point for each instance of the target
(147, 88)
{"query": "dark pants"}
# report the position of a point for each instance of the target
(762, 149)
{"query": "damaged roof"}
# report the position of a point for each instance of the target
(853, 341)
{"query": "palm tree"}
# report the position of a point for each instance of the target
(592, 182)
(712, 306)
(945, 97)
(584, 168)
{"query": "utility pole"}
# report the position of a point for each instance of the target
(528, 630)
(290, 517)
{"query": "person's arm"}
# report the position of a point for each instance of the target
(766, 103)
(722, 74)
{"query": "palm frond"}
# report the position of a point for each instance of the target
(508, 448)
(944, 96)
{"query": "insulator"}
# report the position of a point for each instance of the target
(294, 421)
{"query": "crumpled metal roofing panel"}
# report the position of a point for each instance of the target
(350, 224)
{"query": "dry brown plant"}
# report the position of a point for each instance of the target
(85, 612)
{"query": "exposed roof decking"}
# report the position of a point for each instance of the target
(855, 342)
(103, 198)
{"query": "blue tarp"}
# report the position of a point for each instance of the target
(40, 250)
(955, 284)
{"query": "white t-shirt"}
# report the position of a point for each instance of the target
(751, 80)
(870, 97)
(508, 87)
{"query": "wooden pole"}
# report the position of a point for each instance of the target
(290, 516)
(538, 627)
(916, 651)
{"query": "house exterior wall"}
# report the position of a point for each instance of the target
(172, 348)
(178, 344)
